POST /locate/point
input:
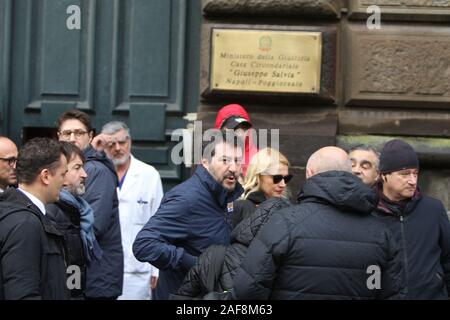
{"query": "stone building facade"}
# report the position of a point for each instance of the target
(376, 84)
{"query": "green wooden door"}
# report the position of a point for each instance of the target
(131, 60)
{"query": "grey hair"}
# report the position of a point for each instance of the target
(115, 126)
(366, 147)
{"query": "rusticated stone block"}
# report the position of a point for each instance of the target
(432, 152)
(378, 121)
(327, 93)
(310, 8)
(403, 10)
(398, 66)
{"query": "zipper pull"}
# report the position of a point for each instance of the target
(401, 218)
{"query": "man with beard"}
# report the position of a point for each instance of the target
(193, 215)
(75, 219)
(140, 193)
(8, 159)
(104, 277)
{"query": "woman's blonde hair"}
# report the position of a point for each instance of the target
(260, 163)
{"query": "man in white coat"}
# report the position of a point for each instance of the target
(140, 193)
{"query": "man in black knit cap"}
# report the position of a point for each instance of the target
(419, 223)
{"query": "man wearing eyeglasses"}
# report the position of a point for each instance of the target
(104, 277)
(8, 159)
(140, 193)
(419, 223)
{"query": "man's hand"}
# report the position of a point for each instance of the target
(101, 141)
(153, 282)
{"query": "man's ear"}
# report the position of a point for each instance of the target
(309, 173)
(44, 176)
(205, 163)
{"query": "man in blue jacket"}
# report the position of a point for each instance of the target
(193, 215)
(104, 277)
(419, 223)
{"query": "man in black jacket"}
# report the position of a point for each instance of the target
(74, 217)
(327, 247)
(31, 248)
(104, 277)
(419, 223)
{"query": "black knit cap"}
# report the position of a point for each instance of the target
(397, 155)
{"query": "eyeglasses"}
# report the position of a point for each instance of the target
(11, 160)
(67, 133)
(278, 177)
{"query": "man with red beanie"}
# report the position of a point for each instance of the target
(235, 117)
(419, 223)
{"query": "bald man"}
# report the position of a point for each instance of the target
(327, 247)
(8, 159)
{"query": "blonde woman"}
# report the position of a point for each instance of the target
(264, 192)
(267, 177)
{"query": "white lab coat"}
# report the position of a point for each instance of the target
(139, 198)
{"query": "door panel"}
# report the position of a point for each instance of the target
(5, 49)
(127, 62)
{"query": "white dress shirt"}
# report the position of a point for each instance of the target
(38, 203)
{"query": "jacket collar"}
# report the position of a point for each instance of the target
(14, 196)
(396, 208)
(339, 189)
(35, 200)
(257, 197)
(248, 228)
(220, 193)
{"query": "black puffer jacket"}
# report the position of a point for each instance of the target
(422, 229)
(32, 264)
(195, 282)
(322, 248)
(245, 207)
(67, 220)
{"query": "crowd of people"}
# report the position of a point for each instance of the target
(82, 218)
(61, 233)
